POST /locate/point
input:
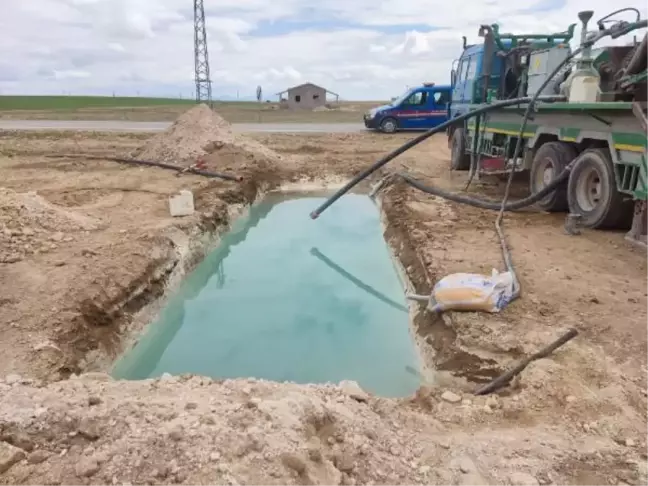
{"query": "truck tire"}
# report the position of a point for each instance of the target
(592, 192)
(550, 160)
(389, 125)
(459, 160)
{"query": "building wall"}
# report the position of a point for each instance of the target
(306, 97)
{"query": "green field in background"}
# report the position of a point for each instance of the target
(61, 107)
(78, 102)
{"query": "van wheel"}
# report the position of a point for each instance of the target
(389, 125)
(459, 160)
(593, 194)
(549, 161)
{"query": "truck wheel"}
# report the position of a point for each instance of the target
(549, 161)
(459, 160)
(593, 194)
(389, 125)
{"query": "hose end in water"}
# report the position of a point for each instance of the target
(314, 215)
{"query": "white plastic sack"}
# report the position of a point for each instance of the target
(472, 292)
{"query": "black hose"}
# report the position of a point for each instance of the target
(485, 204)
(163, 165)
(601, 22)
(152, 163)
(637, 62)
(506, 252)
(416, 140)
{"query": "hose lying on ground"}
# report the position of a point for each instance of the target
(506, 377)
(152, 163)
(506, 252)
(485, 204)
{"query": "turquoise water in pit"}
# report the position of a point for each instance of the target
(286, 298)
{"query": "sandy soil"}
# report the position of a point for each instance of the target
(95, 245)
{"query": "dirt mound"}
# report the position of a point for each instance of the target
(194, 430)
(197, 431)
(29, 224)
(201, 133)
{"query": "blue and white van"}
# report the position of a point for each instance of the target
(418, 108)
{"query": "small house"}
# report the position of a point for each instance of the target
(306, 96)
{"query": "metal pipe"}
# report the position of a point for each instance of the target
(418, 297)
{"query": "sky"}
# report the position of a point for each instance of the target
(360, 49)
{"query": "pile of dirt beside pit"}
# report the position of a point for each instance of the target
(29, 224)
(201, 133)
(194, 430)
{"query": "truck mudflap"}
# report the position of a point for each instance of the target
(637, 233)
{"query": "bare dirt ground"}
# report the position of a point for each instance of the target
(233, 112)
(96, 244)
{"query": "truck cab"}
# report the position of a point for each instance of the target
(419, 108)
(487, 71)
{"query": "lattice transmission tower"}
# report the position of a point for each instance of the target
(201, 54)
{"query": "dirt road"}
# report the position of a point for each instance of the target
(100, 247)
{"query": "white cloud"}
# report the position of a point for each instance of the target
(115, 46)
(146, 46)
(71, 74)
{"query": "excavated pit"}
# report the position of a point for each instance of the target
(285, 298)
(126, 322)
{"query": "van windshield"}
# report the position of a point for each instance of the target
(402, 97)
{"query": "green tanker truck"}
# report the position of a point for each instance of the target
(599, 131)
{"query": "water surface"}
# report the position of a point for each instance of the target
(287, 298)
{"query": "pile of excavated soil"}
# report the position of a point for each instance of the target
(198, 431)
(29, 224)
(194, 430)
(201, 133)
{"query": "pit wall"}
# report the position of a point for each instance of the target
(189, 249)
(417, 311)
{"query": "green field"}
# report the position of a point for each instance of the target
(80, 102)
(167, 109)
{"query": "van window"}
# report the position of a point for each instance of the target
(441, 97)
(472, 68)
(417, 99)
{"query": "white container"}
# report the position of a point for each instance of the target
(584, 89)
(182, 204)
